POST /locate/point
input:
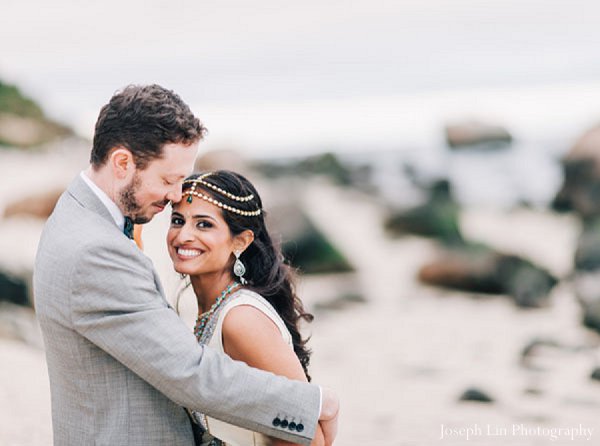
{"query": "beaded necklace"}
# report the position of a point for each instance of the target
(202, 320)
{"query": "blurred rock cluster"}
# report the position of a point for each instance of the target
(461, 264)
(23, 123)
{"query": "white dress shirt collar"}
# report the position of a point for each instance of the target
(114, 210)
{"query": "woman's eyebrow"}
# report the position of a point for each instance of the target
(203, 216)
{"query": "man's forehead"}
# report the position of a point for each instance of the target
(170, 169)
(177, 160)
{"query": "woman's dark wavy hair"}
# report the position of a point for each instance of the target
(267, 272)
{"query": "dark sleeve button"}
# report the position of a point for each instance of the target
(300, 427)
(284, 424)
(292, 426)
(276, 421)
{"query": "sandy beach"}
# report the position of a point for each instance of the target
(401, 359)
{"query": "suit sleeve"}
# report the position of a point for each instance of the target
(116, 305)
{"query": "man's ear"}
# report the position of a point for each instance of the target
(121, 162)
(243, 240)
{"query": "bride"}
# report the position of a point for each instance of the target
(247, 306)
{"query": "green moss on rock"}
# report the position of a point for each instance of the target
(12, 101)
(312, 253)
(22, 121)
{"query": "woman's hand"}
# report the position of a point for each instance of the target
(328, 420)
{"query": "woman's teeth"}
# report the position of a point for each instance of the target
(188, 252)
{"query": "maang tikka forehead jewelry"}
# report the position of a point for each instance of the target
(200, 180)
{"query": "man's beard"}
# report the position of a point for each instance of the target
(130, 205)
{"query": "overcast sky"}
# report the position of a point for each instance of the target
(254, 55)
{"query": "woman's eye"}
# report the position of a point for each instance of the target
(167, 183)
(176, 221)
(204, 224)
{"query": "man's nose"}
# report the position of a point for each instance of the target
(174, 194)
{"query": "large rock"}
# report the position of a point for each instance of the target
(22, 121)
(39, 205)
(14, 289)
(587, 253)
(304, 244)
(437, 218)
(19, 131)
(479, 270)
(462, 270)
(587, 292)
(587, 273)
(476, 134)
(580, 191)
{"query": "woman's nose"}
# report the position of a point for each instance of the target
(185, 234)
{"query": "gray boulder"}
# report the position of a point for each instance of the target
(477, 134)
(481, 270)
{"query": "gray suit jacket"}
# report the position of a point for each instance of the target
(121, 362)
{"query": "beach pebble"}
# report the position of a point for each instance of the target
(595, 374)
(475, 394)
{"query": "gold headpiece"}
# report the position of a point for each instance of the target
(200, 180)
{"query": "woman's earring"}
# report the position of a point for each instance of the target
(238, 267)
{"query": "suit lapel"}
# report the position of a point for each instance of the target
(82, 193)
(88, 199)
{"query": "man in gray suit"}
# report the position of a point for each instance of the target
(122, 365)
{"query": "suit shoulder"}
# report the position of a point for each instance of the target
(72, 232)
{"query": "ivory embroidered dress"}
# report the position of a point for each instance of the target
(221, 433)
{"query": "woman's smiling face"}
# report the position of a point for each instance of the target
(199, 240)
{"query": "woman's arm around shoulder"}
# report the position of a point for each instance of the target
(251, 336)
